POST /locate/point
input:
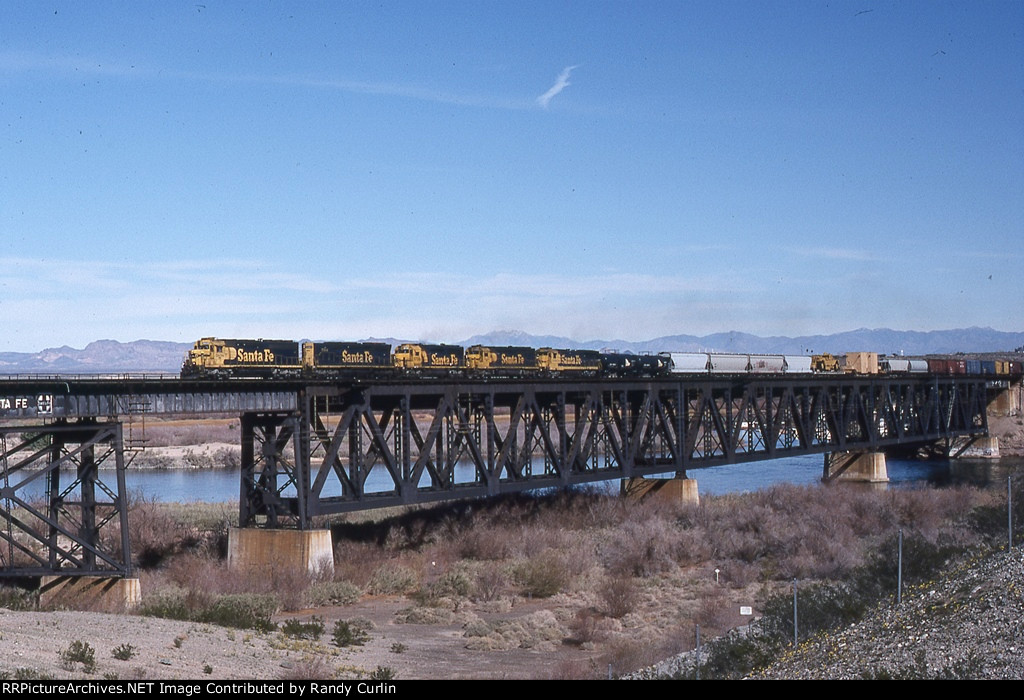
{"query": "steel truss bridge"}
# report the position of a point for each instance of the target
(313, 449)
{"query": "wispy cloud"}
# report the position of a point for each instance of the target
(851, 254)
(20, 62)
(560, 84)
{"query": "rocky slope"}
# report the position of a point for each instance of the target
(968, 624)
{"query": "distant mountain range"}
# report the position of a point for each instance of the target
(881, 340)
(106, 356)
(101, 356)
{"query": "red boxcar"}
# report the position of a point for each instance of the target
(947, 366)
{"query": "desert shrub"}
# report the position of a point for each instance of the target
(642, 547)
(451, 584)
(154, 533)
(357, 561)
(619, 595)
(922, 561)
(625, 655)
(488, 544)
(299, 629)
(308, 668)
(989, 520)
(392, 579)
(586, 627)
(23, 673)
(78, 652)
(123, 652)
(491, 581)
(332, 593)
(544, 575)
(383, 673)
(734, 655)
(349, 633)
(238, 610)
(14, 598)
(242, 610)
(714, 610)
(204, 576)
(227, 458)
(288, 584)
(820, 607)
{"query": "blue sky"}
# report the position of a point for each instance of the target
(432, 170)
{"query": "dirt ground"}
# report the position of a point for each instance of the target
(169, 649)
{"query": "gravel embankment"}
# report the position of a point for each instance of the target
(968, 624)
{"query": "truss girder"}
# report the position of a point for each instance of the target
(72, 525)
(351, 448)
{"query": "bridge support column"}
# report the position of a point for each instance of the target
(1006, 402)
(680, 490)
(99, 593)
(975, 448)
(300, 550)
(867, 467)
(80, 525)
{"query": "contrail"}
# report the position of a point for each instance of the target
(560, 84)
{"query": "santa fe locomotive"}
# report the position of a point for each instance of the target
(227, 358)
(246, 358)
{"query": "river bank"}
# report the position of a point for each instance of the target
(556, 586)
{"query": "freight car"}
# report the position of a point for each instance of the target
(734, 363)
(901, 365)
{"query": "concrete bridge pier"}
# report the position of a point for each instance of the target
(100, 593)
(863, 467)
(678, 490)
(298, 550)
(1007, 400)
(983, 447)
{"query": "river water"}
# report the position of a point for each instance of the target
(219, 485)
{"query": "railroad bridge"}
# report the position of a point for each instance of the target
(309, 448)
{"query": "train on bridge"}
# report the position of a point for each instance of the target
(220, 358)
